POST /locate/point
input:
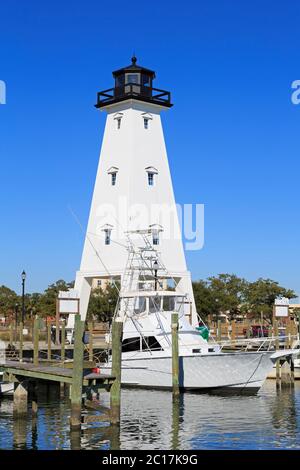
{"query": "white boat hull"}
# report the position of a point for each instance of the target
(202, 372)
(6, 388)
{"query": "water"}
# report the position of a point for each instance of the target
(268, 420)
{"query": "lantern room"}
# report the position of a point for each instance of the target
(133, 82)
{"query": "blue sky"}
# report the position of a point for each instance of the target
(232, 136)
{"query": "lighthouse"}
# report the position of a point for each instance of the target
(133, 188)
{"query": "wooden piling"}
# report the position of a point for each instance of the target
(57, 323)
(248, 329)
(175, 424)
(76, 391)
(11, 333)
(275, 324)
(91, 352)
(287, 374)
(36, 341)
(287, 334)
(48, 340)
(175, 355)
(21, 341)
(233, 331)
(20, 399)
(219, 331)
(62, 356)
(115, 391)
(63, 342)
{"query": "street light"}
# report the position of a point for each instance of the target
(16, 312)
(23, 275)
(155, 267)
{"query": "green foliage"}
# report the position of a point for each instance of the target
(8, 301)
(227, 293)
(47, 303)
(204, 299)
(260, 296)
(228, 290)
(36, 303)
(103, 302)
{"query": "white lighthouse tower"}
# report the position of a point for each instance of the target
(133, 188)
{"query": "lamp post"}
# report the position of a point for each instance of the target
(155, 267)
(23, 275)
(16, 313)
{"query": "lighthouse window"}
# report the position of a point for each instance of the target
(107, 233)
(146, 123)
(132, 78)
(113, 178)
(150, 179)
(155, 238)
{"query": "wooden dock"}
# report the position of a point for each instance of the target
(74, 374)
(14, 371)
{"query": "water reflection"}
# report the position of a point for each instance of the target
(20, 433)
(284, 416)
(152, 420)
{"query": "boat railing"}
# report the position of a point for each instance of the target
(257, 343)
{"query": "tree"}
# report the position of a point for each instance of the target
(47, 302)
(228, 291)
(103, 303)
(8, 300)
(204, 300)
(33, 303)
(261, 294)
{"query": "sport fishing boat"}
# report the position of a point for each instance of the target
(145, 306)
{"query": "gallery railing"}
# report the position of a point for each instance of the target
(133, 90)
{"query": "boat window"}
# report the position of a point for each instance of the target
(180, 303)
(154, 304)
(140, 305)
(131, 344)
(134, 344)
(168, 304)
(152, 343)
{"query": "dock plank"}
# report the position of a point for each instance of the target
(51, 373)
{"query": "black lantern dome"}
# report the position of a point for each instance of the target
(133, 82)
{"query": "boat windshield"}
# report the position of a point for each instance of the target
(154, 304)
(139, 305)
(168, 303)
